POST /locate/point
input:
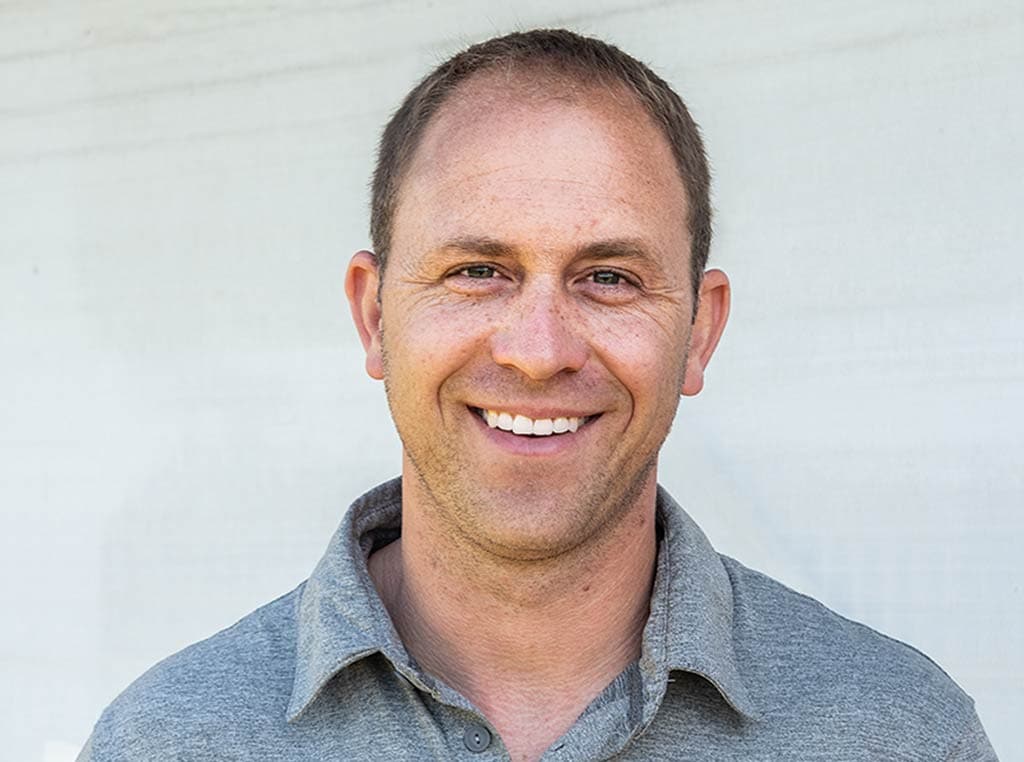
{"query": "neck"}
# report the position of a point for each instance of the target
(530, 643)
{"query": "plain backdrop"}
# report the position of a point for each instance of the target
(185, 417)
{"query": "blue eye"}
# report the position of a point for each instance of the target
(478, 271)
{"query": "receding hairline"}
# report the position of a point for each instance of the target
(528, 84)
(535, 60)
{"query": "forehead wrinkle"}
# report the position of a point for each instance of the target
(434, 179)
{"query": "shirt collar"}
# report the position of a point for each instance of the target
(690, 627)
(341, 619)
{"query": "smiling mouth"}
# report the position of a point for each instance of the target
(525, 426)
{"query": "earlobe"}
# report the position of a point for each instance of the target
(362, 281)
(708, 325)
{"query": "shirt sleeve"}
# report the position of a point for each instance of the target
(85, 755)
(974, 745)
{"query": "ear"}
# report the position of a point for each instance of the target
(361, 284)
(708, 324)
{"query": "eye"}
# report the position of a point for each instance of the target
(478, 271)
(610, 286)
(606, 278)
(477, 279)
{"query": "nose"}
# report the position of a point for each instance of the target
(540, 334)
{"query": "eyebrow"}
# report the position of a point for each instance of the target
(617, 248)
(482, 245)
(612, 248)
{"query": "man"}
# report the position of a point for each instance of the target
(536, 305)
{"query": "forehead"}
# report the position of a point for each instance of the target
(508, 156)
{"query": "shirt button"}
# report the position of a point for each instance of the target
(476, 738)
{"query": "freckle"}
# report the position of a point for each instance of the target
(586, 588)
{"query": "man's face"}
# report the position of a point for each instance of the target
(539, 275)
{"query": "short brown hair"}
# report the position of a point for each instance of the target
(584, 59)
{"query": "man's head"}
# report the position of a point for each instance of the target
(546, 58)
(539, 316)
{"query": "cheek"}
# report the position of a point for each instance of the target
(643, 351)
(427, 340)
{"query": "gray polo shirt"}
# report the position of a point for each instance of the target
(734, 666)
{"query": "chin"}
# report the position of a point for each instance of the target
(533, 522)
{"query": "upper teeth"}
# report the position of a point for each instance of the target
(520, 424)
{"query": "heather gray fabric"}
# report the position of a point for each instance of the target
(735, 666)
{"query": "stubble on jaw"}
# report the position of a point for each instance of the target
(525, 577)
(522, 575)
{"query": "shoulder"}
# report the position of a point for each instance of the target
(804, 660)
(243, 674)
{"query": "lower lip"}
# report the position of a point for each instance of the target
(517, 444)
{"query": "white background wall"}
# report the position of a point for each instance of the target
(184, 415)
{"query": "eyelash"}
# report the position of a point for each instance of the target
(466, 270)
(617, 276)
(491, 271)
